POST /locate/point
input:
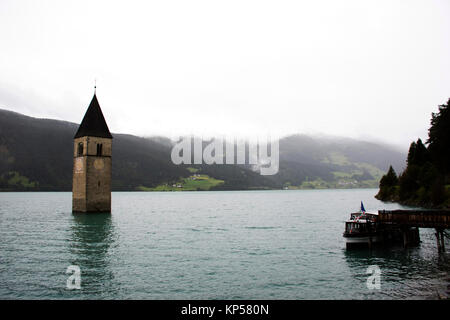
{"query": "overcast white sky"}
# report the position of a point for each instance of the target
(362, 69)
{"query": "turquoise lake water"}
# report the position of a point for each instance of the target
(206, 245)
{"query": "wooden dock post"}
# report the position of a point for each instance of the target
(439, 240)
(405, 238)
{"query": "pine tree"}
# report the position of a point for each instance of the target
(417, 154)
(421, 154)
(439, 139)
(388, 184)
(389, 179)
(411, 153)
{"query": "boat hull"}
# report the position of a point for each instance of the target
(355, 241)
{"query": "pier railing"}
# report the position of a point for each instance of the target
(439, 219)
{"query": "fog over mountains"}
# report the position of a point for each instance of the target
(37, 154)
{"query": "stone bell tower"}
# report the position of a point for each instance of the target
(91, 189)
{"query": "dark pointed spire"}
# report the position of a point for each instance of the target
(93, 124)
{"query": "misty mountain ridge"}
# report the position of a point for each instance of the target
(37, 154)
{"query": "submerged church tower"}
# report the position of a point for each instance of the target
(91, 189)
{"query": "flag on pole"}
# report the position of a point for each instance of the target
(362, 207)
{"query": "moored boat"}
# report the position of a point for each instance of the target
(361, 229)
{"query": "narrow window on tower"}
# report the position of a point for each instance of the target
(99, 149)
(80, 149)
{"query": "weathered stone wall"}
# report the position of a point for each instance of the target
(98, 187)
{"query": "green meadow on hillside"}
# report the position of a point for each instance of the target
(195, 182)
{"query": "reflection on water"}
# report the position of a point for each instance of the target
(400, 267)
(92, 237)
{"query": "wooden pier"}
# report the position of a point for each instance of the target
(408, 219)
